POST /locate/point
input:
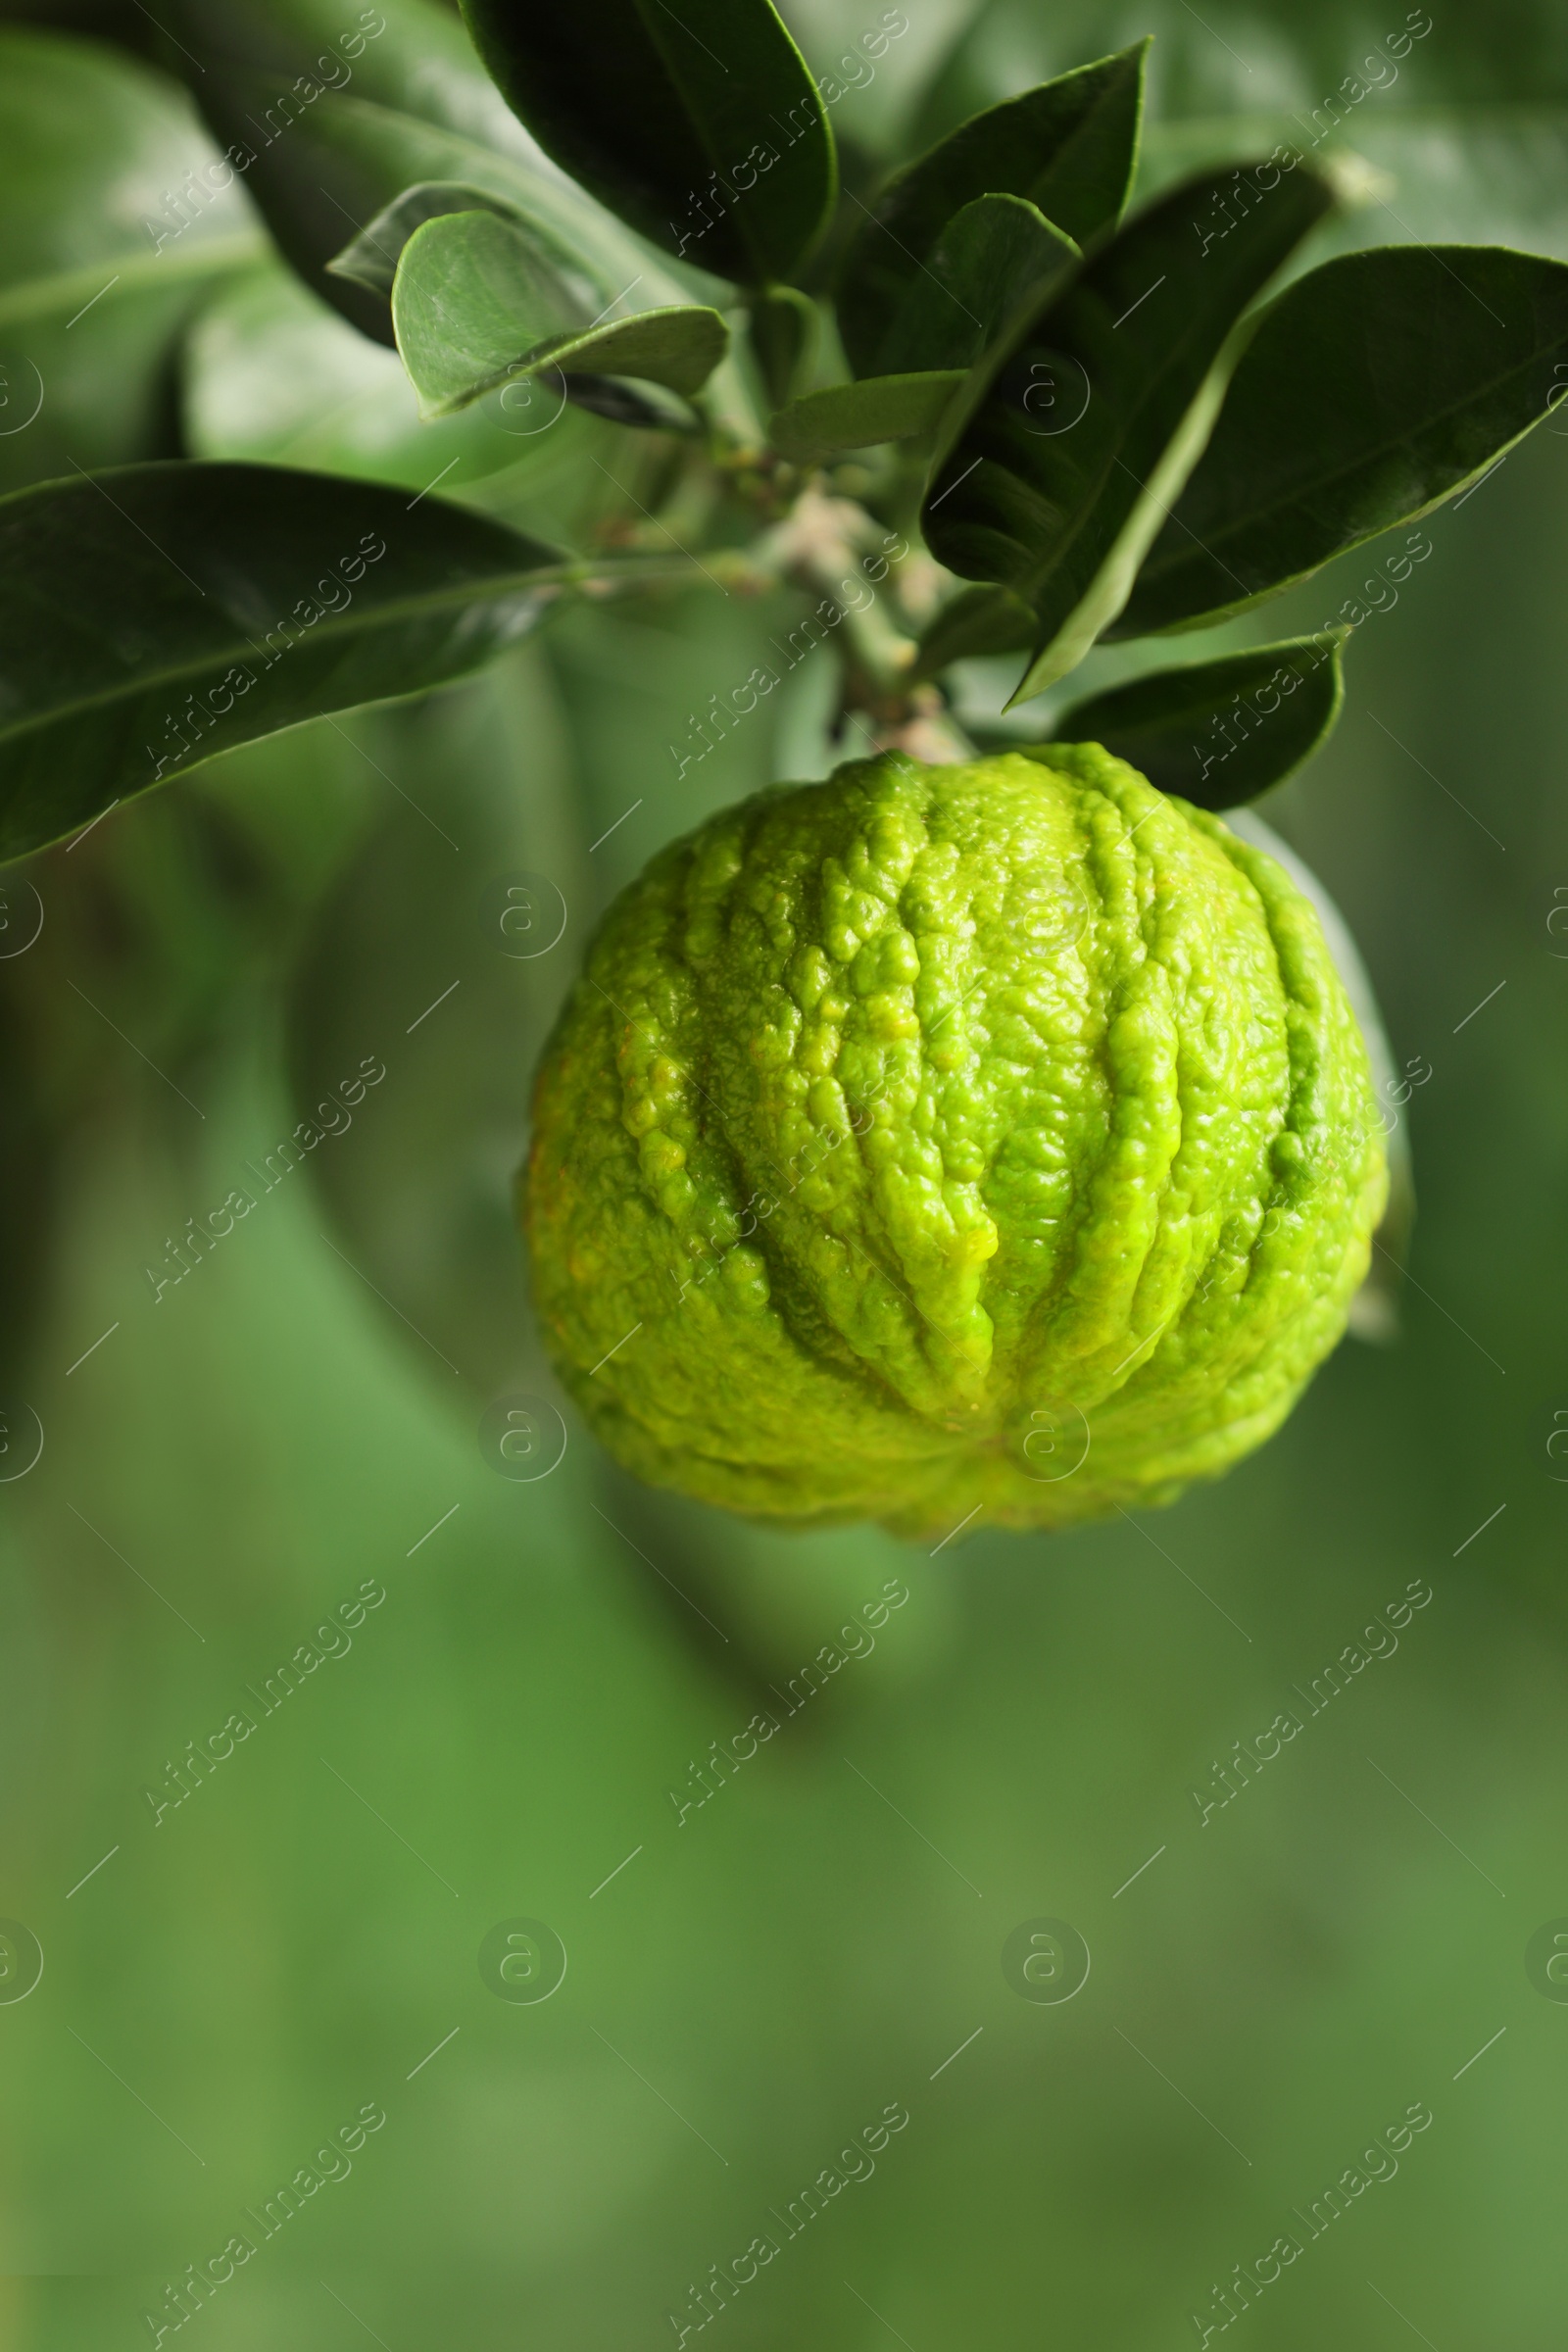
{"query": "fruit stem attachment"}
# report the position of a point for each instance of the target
(833, 548)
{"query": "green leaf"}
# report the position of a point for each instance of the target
(977, 623)
(328, 123)
(1336, 64)
(1073, 438)
(157, 615)
(475, 302)
(1069, 147)
(120, 219)
(411, 55)
(272, 77)
(1374, 388)
(701, 127)
(880, 408)
(363, 147)
(1221, 732)
(371, 258)
(273, 376)
(992, 258)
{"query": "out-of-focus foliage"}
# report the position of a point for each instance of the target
(93, 305)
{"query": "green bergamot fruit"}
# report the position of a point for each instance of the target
(991, 1143)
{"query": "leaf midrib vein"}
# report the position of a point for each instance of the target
(502, 585)
(1259, 515)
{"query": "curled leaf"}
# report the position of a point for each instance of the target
(478, 302)
(370, 258)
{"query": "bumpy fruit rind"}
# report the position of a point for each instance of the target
(989, 1142)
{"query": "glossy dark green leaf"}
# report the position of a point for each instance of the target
(1221, 732)
(1069, 147)
(880, 408)
(328, 122)
(1374, 388)
(476, 304)
(977, 623)
(370, 258)
(701, 126)
(990, 260)
(157, 615)
(1071, 442)
(121, 218)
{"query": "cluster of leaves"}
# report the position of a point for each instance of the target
(1104, 428)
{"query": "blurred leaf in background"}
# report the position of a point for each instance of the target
(120, 218)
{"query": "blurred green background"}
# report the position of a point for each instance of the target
(749, 1985)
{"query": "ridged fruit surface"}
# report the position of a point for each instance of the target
(989, 1142)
